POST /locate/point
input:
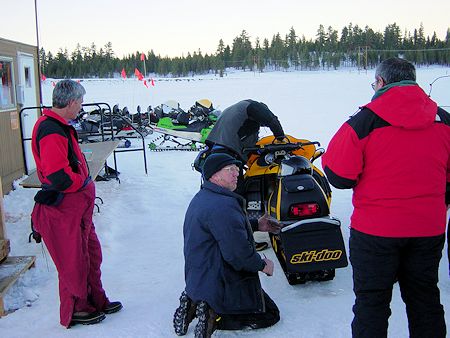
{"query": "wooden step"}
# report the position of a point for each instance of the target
(4, 249)
(10, 270)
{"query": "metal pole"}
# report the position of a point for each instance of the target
(145, 71)
(365, 59)
(38, 53)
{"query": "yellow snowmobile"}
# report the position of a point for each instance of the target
(282, 181)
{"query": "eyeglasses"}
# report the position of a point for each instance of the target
(377, 79)
(232, 168)
(374, 84)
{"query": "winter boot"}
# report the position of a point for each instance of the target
(261, 246)
(87, 318)
(184, 314)
(112, 307)
(207, 321)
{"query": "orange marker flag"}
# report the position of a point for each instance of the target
(138, 74)
(145, 83)
(142, 56)
(123, 73)
(153, 82)
(43, 78)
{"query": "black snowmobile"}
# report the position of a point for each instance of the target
(102, 124)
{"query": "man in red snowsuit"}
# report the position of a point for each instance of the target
(395, 154)
(64, 207)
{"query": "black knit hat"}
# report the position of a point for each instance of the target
(217, 161)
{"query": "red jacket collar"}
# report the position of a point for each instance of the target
(52, 114)
(406, 106)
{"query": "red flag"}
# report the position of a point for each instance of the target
(145, 83)
(153, 82)
(53, 84)
(43, 78)
(142, 56)
(138, 74)
(123, 73)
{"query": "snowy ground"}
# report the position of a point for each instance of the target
(140, 223)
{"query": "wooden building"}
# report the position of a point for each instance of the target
(19, 87)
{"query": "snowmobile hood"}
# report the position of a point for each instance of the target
(205, 103)
(405, 106)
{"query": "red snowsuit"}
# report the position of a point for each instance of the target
(67, 228)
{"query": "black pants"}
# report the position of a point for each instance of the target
(251, 320)
(378, 262)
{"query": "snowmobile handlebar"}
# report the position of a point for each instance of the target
(277, 147)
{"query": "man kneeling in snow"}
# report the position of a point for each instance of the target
(221, 263)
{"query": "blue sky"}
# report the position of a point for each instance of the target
(174, 27)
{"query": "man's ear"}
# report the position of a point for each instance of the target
(216, 177)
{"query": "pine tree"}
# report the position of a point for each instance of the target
(326, 50)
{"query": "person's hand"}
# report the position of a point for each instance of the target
(268, 224)
(281, 139)
(268, 269)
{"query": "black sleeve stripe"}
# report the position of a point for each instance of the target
(338, 181)
(447, 194)
(444, 116)
(365, 121)
(445, 119)
(59, 180)
(48, 127)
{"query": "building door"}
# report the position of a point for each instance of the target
(27, 97)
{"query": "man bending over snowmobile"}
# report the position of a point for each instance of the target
(238, 128)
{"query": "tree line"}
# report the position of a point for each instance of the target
(352, 47)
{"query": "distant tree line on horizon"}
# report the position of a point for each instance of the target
(354, 47)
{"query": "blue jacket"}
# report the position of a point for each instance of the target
(221, 263)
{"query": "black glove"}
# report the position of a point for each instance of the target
(49, 197)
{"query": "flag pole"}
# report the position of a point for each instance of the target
(38, 52)
(143, 60)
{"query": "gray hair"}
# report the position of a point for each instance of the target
(66, 91)
(395, 70)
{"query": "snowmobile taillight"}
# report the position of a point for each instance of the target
(304, 209)
(127, 128)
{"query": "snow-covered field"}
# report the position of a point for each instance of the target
(140, 223)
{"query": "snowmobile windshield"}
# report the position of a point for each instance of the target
(295, 165)
(286, 169)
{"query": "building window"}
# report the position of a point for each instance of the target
(7, 99)
(27, 77)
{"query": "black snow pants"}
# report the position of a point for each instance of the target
(251, 320)
(378, 262)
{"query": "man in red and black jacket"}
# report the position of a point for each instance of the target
(395, 155)
(64, 207)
